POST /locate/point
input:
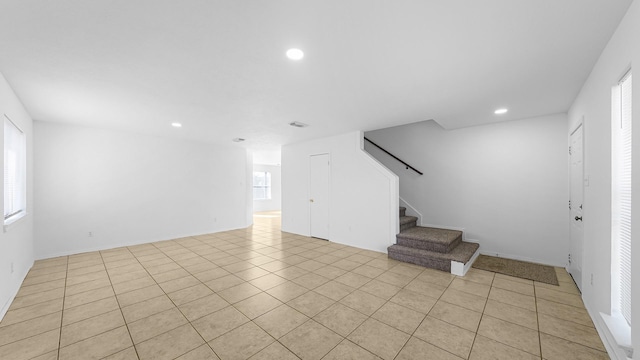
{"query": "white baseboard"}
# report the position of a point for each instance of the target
(517, 257)
(460, 269)
(14, 293)
(124, 244)
(615, 352)
(411, 210)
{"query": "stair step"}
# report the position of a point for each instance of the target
(407, 222)
(403, 211)
(431, 239)
(431, 259)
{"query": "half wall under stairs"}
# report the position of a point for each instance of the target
(440, 249)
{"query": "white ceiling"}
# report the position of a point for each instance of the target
(219, 67)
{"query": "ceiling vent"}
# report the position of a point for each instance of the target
(298, 124)
(238, 140)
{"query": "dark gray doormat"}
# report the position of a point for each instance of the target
(521, 269)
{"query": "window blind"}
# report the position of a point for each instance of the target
(14, 170)
(625, 199)
(621, 197)
(261, 185)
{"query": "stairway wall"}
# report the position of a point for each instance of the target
(363, 210)
(505, 184)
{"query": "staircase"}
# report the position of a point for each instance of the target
(434, 248)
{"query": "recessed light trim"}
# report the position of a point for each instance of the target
(298, 124)
(501, 111)
(237, 139)
(176, 125)
(295, 54)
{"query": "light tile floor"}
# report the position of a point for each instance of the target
(261, 293)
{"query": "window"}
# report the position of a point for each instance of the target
(14, 172)
(621, 199)
(261, 185)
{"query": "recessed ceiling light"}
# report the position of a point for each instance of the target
(298, 124)
(295, 54)
(500, 111)
(237, 139)
(176, 124)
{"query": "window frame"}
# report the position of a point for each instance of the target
(266, 187)
(20, 170)
(621, 206)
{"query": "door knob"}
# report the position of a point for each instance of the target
(310, 200)
(578, 218)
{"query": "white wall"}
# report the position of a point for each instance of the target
(594, 105)
(363, 210)
(275, 203)
(504, 184)
(16, 244)
(267, 157)
(127, 189)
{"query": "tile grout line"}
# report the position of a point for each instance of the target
(294, 244)
(173, 302)
(475, 336)
(426, 315)
(283, 303)
(535, 298)
(64, 296)
(368, 316)
(510, 322)
(120, 307)
(311, 318)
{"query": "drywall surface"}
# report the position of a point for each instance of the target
(16, 244)
(267, 157)
(593, 106)
(275, 203)
(504, 184)
(363, 195)
(98, 189)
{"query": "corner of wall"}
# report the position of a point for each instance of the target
(394, 185)
(17, 243)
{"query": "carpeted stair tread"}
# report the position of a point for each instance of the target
(436, 260)
(403, 211)
(427, 238)
(407, 220)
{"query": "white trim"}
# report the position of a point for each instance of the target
(460, 269)
(131, 243)
(620, 331)
(328, 153)
(413, 212)
(14, 293)
(608, 340)
(14, 221)
(573, 270)
(517, 257)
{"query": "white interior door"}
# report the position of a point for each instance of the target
(575, 204)
(319, 195)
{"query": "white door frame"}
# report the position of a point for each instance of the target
(328, 192)
(571, 267)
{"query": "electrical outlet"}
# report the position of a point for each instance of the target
(90, 234)
(591, 279)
